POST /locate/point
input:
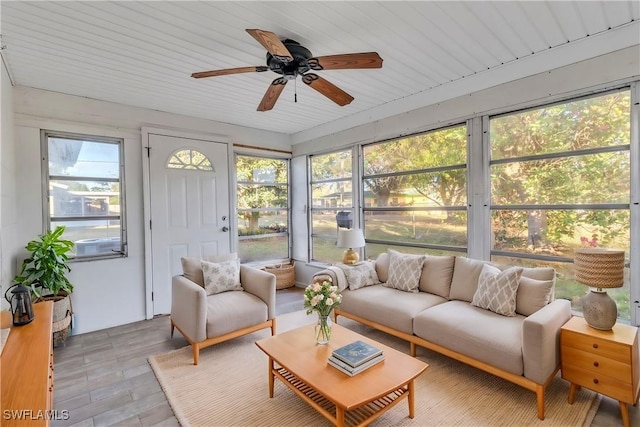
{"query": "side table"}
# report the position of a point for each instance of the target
(603, 361)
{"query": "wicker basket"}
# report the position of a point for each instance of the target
(285, 274)
(61, 316)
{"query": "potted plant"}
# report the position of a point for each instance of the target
(45, 273)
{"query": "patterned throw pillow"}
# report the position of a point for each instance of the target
(360, 275)
(497, 290)
(221, 276)
(404, 271)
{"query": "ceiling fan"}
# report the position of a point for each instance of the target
(290, 59)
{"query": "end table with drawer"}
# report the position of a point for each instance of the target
(603, 361)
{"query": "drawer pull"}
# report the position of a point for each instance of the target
(595, 381)
(596, 364)
(595, 346)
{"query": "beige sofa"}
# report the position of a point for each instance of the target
(206, 320)
(522, 348)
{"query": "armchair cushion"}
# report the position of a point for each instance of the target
(231, 311)
(221, 276)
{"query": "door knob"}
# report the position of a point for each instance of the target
(225, 228)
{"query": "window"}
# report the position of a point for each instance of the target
(189, 159)
(84, 192)
(415, 193)
(560, 178)
(331, 203)
(263, 208)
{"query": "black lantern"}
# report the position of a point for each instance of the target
(21, 306)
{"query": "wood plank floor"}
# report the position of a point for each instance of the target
(103, 378)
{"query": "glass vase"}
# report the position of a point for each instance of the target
(323, 329)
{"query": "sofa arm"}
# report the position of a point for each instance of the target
(189, 308)
(261, 284)
(541, 340)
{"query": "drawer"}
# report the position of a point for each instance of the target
(603, 384)
(597, 346)
(598, 365)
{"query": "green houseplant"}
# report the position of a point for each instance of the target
(45, 273)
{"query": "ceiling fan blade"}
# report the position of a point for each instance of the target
(227, 71)
(272, 43)
(271, 96)
(347, 61)
(328, 89)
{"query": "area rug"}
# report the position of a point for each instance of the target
(229, 388)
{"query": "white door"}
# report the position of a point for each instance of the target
(189, 207)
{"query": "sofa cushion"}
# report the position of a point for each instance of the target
(221, 276)
(465, 278)
(230, 311)
(436, 275)
(533, 295)
(497, 290)
(404, 271)
(390, 307)
(192, 270)
(483, 334)
(382, 266)
(360, 275)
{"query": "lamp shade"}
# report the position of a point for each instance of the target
(352, 238)
(599, 267)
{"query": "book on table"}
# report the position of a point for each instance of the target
(350, 370)
(356, 353)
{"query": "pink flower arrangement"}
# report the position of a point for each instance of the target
(321, 297)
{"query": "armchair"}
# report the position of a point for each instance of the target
(205, 320)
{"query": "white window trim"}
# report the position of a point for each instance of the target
(46, 217)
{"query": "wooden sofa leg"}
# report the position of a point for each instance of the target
(172, 328)
(412, 349)
(540, 398)
(273, 326)
(196, 353)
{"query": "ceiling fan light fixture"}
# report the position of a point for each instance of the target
(290, 59)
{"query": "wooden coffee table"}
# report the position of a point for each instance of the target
(301, 364)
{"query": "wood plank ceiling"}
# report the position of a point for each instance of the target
(143, 53)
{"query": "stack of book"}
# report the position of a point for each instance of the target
(355, 357)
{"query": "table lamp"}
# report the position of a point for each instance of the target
(599, 269)
(352, 238)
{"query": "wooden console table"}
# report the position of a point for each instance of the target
(27, 370)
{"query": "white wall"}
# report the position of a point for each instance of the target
(598, 73)
(107, 292)
(8, 212)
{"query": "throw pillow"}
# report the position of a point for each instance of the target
(221, 276)
(497, 290)
(465, 278)
(404, 271)
(436, 275)
(360, 275)
(533, 295)
(192, 270)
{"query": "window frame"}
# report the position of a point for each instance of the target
(355, 182)
(45, 135)
(461, 250)
(608, 206)
(288, 233)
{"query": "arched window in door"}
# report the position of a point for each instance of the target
(189, 159)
